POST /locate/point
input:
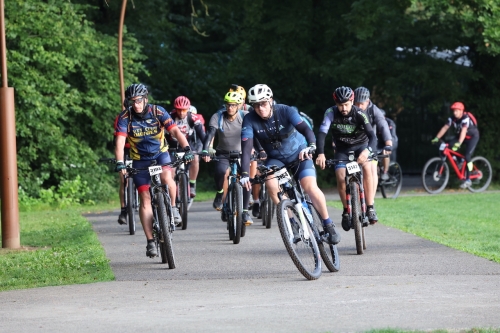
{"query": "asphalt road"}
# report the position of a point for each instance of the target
(401, 281)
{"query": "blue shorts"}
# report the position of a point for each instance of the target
(303, 169)
(143, 179)
(342, 153)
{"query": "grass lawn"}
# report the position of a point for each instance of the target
(467, 222)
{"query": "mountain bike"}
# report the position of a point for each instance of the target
(391, 187)
(436, 172)
(232, 208)
(355, 197)
(163, 219)
(182, 200)
(130, 195)
(300, 224)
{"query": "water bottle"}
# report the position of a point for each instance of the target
(306, 210)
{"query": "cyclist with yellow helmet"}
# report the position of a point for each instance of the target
(227, 124)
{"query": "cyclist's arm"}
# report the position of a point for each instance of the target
(176, 133)
(442, 131)
(200, 132)
(209, 137)
(306, 131)
(246, 152)
(320, 149)
(382, 125)
(462, 135)
(119, 147)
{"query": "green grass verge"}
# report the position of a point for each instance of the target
(466, 222)
(58, 248)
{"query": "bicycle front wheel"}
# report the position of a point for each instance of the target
(390, 188)
(300, 243)
(235, 217)
(182, 199)
(131, 193)
(435, 175)
(356, 217)
(480, 175)
(328, 252)
(166, 249)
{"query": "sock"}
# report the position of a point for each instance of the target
(124, 209)
(345, 211)
(256, 201)
(369, 206)
(327, 221)
(221, 191)
(151, 240)
(192, 182)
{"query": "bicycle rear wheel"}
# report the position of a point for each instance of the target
(300, 244)
(328, 252)
(237, 211)
(131, 192)
(356, 217)
(390, 188)
(182, 199)
(166, 249)
(480, 175)
(435, 175)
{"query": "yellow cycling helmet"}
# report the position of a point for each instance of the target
(233, 97)
(238, 89)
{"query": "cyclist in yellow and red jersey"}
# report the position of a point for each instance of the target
(465, 132)
(143, 125)
(192, 126)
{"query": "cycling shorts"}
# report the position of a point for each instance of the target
(304, 169)
(142, 180)
(342, 153)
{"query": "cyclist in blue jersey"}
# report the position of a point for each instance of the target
(142, 125)
(285, 137)
(351, 131)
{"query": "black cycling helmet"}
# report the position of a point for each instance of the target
(343, 94)
(136, 89)
(361, 94)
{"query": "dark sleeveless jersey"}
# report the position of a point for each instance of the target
(460, 123)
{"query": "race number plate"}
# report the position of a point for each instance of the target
(128, 163)
(442, 146)
(154, 170)
(283, 176)
(352, 167)
(180, 155)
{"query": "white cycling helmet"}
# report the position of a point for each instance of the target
(192, 109)
(259, 93)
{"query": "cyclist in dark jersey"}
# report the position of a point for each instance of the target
(142, 125)
(465, 132)
(285, 137)
(192, 126)
(351, 131)
(122, 218)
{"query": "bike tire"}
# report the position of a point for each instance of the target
(391, 188)
(263, 212)
(269, 212)
(229, 212)
(304, 252)
(363, 236)
(328, 252)
(356, 217)
(435, 175)
(482, 166)
(130, 205)
(182, 198)
(237, 211)
(165, 237)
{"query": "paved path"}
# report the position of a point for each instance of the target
(402, 281)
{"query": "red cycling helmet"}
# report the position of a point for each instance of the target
(182, 103)
(458, 106)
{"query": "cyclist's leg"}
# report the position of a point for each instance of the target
(272, 183)
(167, 177)
(142, 181)
(374, 182)
(194, 166)
(220, 177)
(306, 174)
(470, 146)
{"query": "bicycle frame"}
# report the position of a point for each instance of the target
(233, 178)
(447, 154)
